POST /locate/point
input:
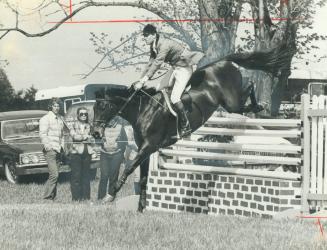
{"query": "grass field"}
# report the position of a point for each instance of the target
(28, 222)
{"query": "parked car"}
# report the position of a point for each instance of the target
(20, 145)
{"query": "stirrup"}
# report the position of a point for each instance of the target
(186, 132)
(180, 134)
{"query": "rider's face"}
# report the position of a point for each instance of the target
(149, 38)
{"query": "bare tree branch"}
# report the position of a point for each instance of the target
(106, 55)
(90, 3)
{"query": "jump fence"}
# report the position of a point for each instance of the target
(243, 166)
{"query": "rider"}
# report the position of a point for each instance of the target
(180, 58)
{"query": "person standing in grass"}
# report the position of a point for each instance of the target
(80, 156)
(51, 133)
(130, 154)
(111, 157)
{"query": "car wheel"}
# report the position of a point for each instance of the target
(10, 173)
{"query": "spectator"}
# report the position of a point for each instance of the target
(51, 134)
(111, 157)
(80, 156)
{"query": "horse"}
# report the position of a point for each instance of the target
(218, 83)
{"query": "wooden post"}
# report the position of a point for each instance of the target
(305, 170)
(153, 164)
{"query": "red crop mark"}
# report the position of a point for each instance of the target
(249, 20)
(320, 227)
(69, 7)
(318, 223)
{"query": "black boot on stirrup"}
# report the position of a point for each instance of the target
(184, 124)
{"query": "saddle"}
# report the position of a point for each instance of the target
(186, 99)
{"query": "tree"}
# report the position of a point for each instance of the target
(15, 100)
(29, 96)
(6, 92)
(213, 29)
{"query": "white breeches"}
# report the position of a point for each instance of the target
(179, 79)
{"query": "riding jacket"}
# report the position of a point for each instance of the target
(171, 52)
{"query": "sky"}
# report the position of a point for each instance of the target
(58, 58)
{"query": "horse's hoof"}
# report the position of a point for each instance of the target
(140, 208)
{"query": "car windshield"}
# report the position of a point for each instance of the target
(17, 129)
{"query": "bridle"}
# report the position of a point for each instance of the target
(102, 123)
(119, 112)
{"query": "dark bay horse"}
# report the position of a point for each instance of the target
(219, 83)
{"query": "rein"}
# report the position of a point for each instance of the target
(119, 112)
(132, 95)
(127, 101)
(151, 97)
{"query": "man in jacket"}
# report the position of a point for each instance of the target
(51, 134)
(181, 59)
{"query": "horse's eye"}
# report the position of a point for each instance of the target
(102, 105)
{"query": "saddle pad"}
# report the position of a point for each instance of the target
(167, 100)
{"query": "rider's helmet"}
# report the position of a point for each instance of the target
(149, 29)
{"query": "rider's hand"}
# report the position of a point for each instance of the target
(141, 82)
(144, 79)
(138, 85)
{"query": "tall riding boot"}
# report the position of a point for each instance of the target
(183, 122)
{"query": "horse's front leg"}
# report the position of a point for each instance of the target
(144, 168)
(141, 156)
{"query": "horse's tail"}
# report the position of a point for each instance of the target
(272, 60)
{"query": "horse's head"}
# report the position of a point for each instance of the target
(104, 111)
(110, 102)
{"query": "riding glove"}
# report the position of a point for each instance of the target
(141, 82)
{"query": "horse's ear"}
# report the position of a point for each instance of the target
(130, 89)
